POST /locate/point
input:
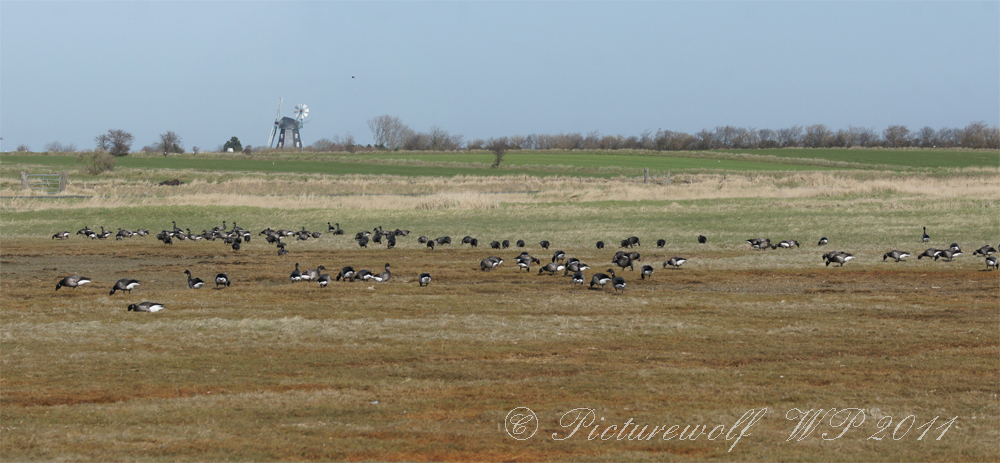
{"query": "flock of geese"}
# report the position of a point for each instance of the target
(624, 259)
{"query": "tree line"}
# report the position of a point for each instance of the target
(390, 133)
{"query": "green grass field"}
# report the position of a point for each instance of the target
(909, 158)
(269, 370)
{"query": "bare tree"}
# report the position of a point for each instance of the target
(896, 136)
(23, 148)
(117, 142)
(790, 137)
(56, 147)
(817, 136)
(169, 142)
(195, 150)
(925, 137)
(388, 132)
(499, 147)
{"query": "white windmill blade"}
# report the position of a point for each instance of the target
(278, 115)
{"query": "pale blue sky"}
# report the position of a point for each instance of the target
(211, 70)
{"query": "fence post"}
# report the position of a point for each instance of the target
(645, 177)
(24, 180)
(668, 177)
(63, 180)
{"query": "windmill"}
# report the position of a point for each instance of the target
(287, 126)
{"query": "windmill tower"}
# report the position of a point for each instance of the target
(287, 127)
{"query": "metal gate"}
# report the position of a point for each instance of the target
(49, 183)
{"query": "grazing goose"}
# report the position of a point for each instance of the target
(634, 256)
(895, 254)
(558, 256)
(839, 258)
(495, 245)
(363, 234)
(390, 242)
(578, 278)
(575, 267)
(422, 239)
(125, 284)
(236, 246)
(523, 264)
(600, 245)
(625, 243)
(474, 243)
(788, 244)
(601, 279)
(823, 241)
(991, 261)
(430, 244)
(194, 283)
(702, 239)
(490, 263)
(675, 262)
(363, 242)
(72, 281)
(925, 237)
(466, 239)
(338, 231)
(323, 280)
(61, 235)
(618, 283)
(296, 274)
(930, 252)
(544, 244)
(955, 247)
(281, 249)
(506, 244)
(551, 268)
(377, 238)
(424, 279)
(310, 275)
(948, 255)
(152, 307)
(222, 280)
(384, 276)
(363, 274)
(661, 243)
(985, 251)
(624, 261)
(634, 241)
(647, 271)
(399, 232)
(759, 243)
(346, 273)
(315, 235)
(520, 243)
(443, 240)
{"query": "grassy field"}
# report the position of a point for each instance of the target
(270, 370)
(889, 157)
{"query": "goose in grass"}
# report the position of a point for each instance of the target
(674, 262)
(759, 243)
(424, 279)
(544, 244)
(151, 307)
(558, 256)
(578, 278)
(443, 240)
(929, 252)
(634, 241)
(363, 275)
(552, 268)
(576, 266)
(222, 280)
(985, 251)
(495, 245)
(72, 281)
(661, 243)
(788, 244)
(600, 245)
(925, 237)
(947, 255)
(520, 243)
(422, 239)
(625, 261)
(125, 284)
(895, 254)
(839, 258)
(323, 280)
(466, 239)
(992, 261)
(194, 283)
(311, 275)
(296, 274)
(702, 239)
(646, 271)
(955, 247)
(363, 241)
(63, 235)
(523, 264)
(281, 249)
(430, 244)
(346, 273)
(618, 282)
(474, 243)
(601, 279)
(490, 263)
(634, 256)
(390, 242)
(823, 241)
(384, 276)
(506, 244)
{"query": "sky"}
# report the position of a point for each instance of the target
(70, 71)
